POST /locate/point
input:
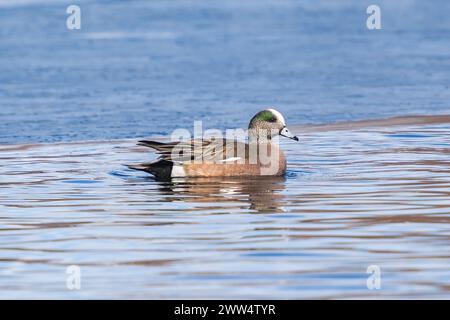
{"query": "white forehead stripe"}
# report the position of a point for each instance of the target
(278, 115)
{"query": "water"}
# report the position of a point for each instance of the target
(144, 68)
(73, 104)
(354, 195)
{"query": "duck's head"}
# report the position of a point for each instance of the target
(269, 123)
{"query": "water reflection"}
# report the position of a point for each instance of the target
(353, 196)
(263, 194)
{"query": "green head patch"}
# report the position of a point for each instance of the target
(266, 116)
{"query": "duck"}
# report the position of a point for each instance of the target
(220, 157)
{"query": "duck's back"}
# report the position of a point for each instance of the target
(214, 158)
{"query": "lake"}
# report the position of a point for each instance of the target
(145, 68)
(354, 196)
(367, 186)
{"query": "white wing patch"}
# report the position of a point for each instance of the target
(231, 159)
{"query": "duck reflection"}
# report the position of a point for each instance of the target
(262, 194)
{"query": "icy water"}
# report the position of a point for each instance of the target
(355, 195)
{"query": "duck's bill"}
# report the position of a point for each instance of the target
(286, 133)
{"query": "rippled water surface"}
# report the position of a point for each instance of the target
(368, 195)
(355, 194)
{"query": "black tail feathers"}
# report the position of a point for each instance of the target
(161, 169)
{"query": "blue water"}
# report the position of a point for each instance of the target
(142, 68)
(351, 199)
(355, 194)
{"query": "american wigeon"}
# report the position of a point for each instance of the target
(261, 156)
